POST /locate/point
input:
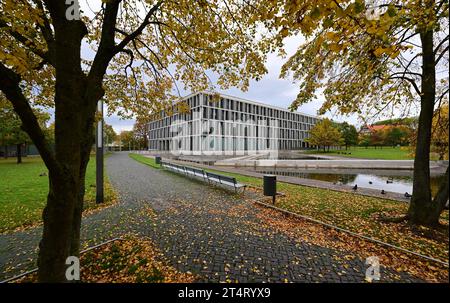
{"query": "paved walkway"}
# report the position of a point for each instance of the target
(201, 229)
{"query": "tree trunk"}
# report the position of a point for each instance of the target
(76, 96)
(54, 247)
(6, 151)
(441, 199)
(62, 214)
(78, 210)
(421, 209)
(19, 153)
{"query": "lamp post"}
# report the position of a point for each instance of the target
(99, 155)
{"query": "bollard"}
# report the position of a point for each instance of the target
(270, 186)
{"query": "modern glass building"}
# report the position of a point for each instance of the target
(216, 124)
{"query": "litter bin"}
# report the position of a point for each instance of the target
(270, 186)
(158, 160)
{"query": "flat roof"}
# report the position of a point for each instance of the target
(247, 101)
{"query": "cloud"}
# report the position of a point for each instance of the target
(282, 92)
(119, 124)
(269, 90)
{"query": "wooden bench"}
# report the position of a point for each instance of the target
(206, 176)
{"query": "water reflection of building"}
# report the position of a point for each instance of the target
(344, 179)
(400, 184)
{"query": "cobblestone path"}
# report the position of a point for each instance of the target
(206, 230)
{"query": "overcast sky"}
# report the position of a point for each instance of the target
(269, 90)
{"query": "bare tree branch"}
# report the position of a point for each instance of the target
(106, 49)
(413, 83)
(440, 44)
(140, 29)
(442, 54)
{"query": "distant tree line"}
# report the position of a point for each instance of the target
(394, 132)
(136, 138)
(388, 136)
(410, 121)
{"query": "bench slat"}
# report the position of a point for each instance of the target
(212, 177)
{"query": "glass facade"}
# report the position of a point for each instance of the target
(228, 125)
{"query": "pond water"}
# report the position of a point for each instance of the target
(390, 180)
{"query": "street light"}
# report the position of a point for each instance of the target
(99, 155)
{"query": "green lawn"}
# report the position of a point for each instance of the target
(145, 160)
(356, 213)
(384, 153)
(23, 192)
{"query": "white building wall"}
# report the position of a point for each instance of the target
(229, 125)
